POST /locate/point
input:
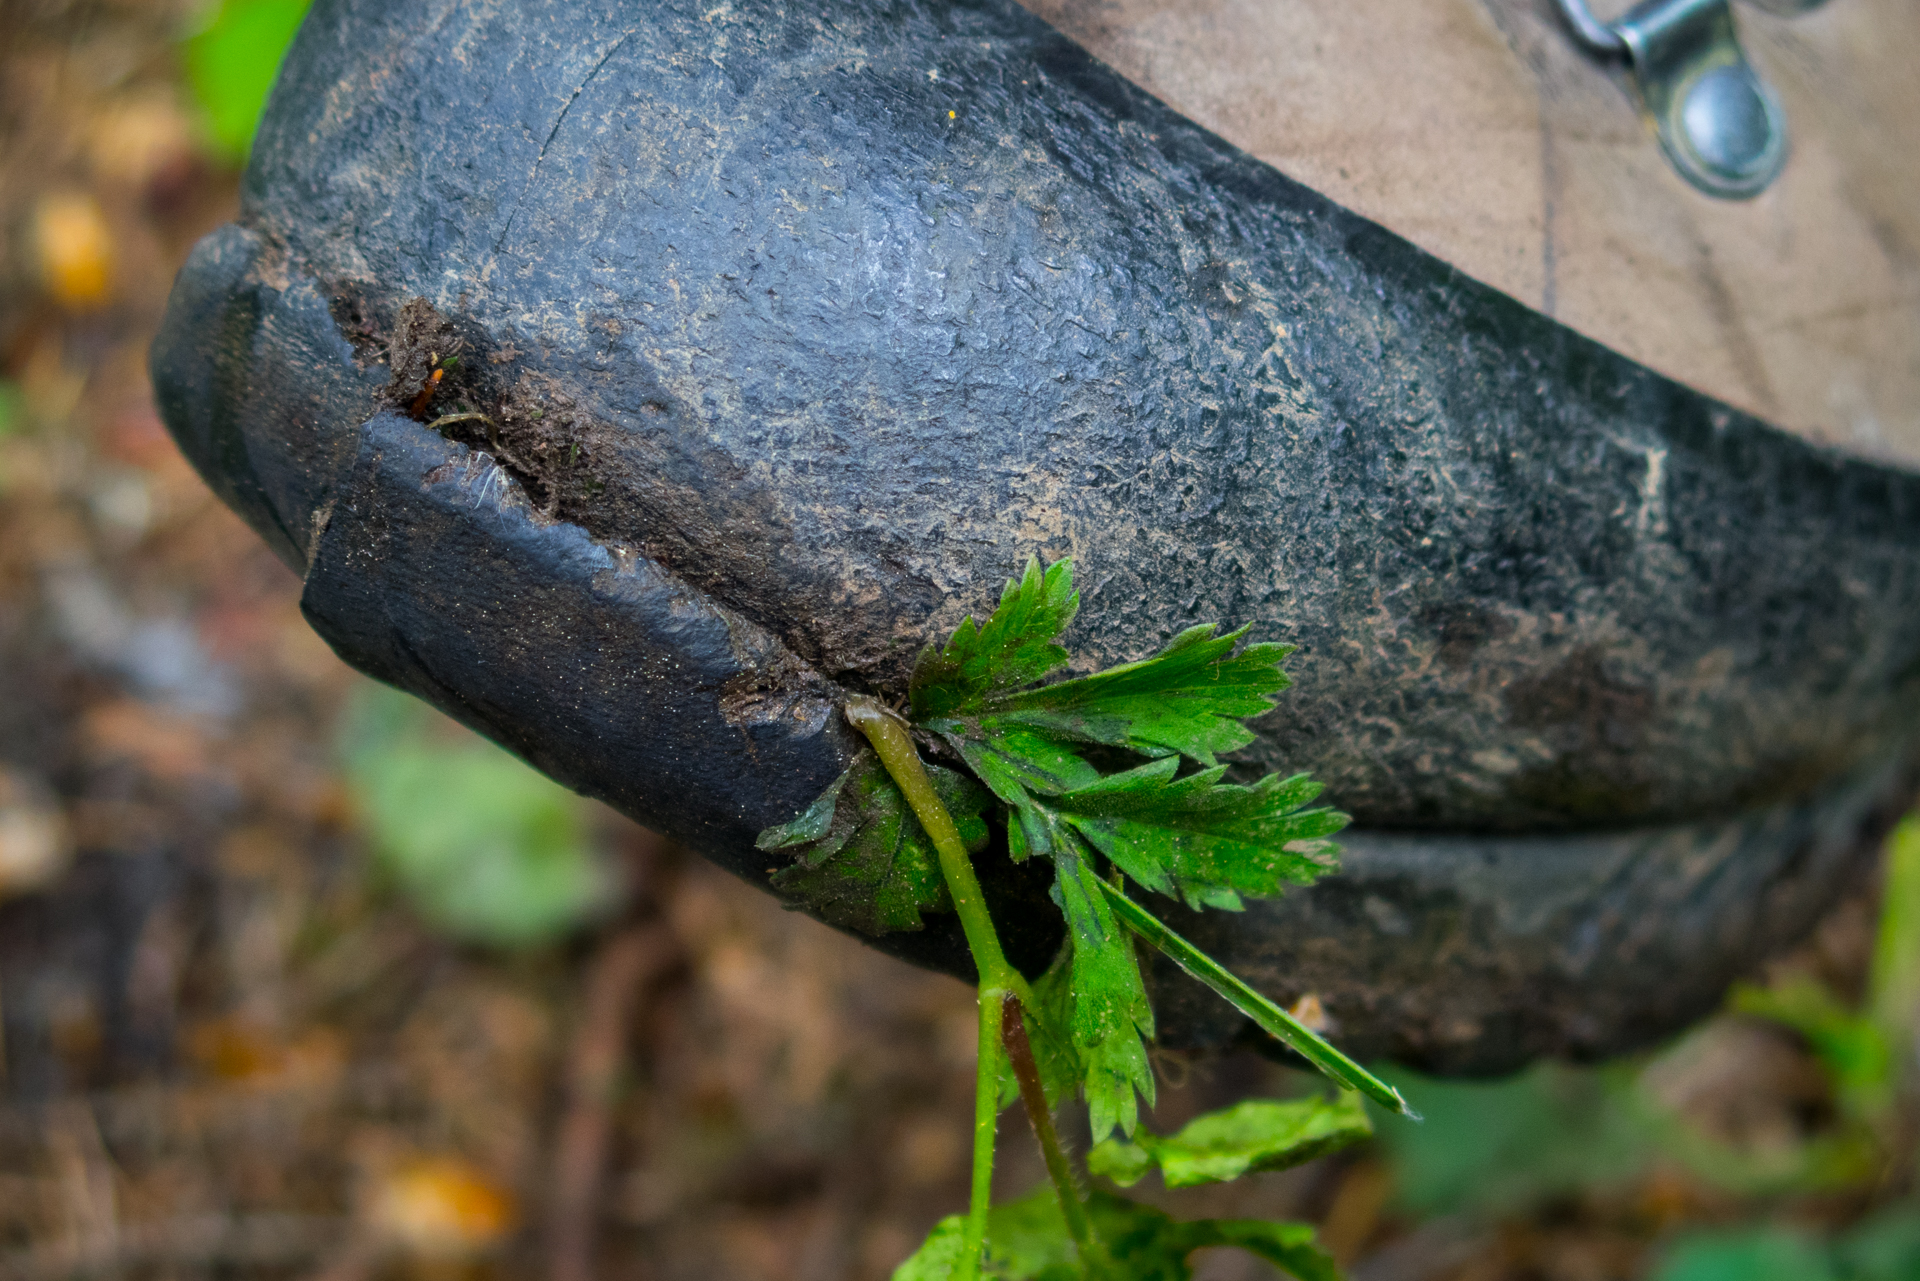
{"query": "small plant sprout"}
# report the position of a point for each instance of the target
(892, 838)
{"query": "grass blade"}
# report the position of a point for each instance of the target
(1277, 1022)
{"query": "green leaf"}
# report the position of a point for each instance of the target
(1288, 1246)
(1027, 1240)
(861, 859)
(1020, 763)
(1049, 1027)
(938, 1255)
(1121, 1161)
(1092, 1012)
(1015, 647)
(1116, 1068)
(233, 62)
(1190, 698)
(1260, 1134)
(814, 825)
(1208, 841)
(1111, 1014)
(485, 849)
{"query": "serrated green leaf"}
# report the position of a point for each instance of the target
(1049, 1024)
(1257, 1135)
(1027, 1240)
(1015, 647)
(861, 859)
(1288, 1246)
(1050, 1029)
(1111, 1016)
(1208, 841)
(1151, 1246)
(1190, 698)
(1117, 1068)
(1018, 763)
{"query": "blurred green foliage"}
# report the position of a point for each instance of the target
(1894, 998)
(1509, 1147)
(1503, 1147)
(485, 849)
(13, 408)
(1860, 1047)
(1884, 1248)
(1506, 1148)
(1753, 1254)
(232, 62)
(13, 421)
(1866, 1052)
(1852, 1048)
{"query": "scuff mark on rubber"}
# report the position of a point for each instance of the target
(553, 133)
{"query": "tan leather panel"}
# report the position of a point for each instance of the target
(1477, 130)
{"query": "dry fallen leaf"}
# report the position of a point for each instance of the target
(171, 748)
(34, 844)
(1311, 1014)
(442, 1207)
(75, 249)
(235, 1050)
(139, 138)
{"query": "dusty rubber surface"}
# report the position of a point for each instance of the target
(794, 335)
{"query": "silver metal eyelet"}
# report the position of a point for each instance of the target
(1717, 120)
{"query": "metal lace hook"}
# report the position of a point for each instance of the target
(1718, 122)
(1596, 35)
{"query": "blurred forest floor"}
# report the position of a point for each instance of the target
(249, 1031)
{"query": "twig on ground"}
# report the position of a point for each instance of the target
(619, 970)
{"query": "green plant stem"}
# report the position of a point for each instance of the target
(1279, 1024)
(888, 734)
(1040, 1116)
(986, 1123)
(999, 981)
